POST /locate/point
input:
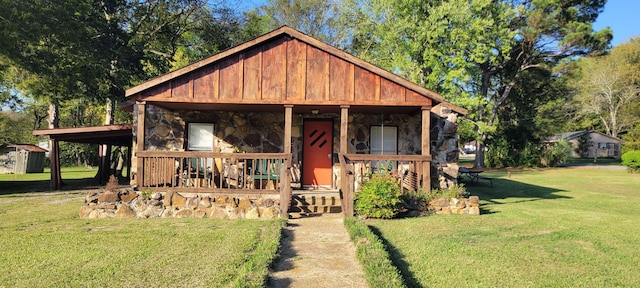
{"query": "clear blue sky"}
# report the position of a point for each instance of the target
(623, 17)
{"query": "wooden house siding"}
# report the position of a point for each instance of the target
(284, 71)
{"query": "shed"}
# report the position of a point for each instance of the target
(21, 159)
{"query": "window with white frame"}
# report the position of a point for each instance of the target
(200, 137)
(384, 140)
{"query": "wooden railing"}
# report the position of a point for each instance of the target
(209, 172)
(357, 168)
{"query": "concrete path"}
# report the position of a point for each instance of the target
(317, 252)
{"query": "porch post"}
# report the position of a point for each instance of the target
(139, 143)
(426, 147)
(288, 120)
(344, 183)
(54, 158)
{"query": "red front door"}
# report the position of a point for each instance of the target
(317, 153)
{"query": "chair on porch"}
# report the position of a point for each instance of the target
(198, 174)
(267, 170)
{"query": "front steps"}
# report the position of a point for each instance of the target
(315, 202)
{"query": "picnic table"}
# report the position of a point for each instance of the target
(473, 174)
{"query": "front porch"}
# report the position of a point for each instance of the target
(266, 174)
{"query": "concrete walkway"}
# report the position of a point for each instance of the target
(317, 252)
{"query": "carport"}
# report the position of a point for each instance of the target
(109, 135)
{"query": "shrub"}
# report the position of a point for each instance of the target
(455, 191)
(112, 184)
(556, 154)
(631, 159)
(379, 197)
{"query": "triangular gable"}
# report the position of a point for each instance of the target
(285, 66)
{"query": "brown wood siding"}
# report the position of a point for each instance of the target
(274, 70)
(365, 85)
(229, 75)
(296, 69)
(286, 71)
(203, 84)
(180, 88)
(340, 79)
(390, 91)
(252, 74)
(317, 77)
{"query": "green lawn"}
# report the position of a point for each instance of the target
(44, 244)
(32, 182)
(539, 228)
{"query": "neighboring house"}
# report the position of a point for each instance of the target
(286, 111)
(21, 159)
(596, 144)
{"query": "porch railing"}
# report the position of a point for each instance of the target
(209, 172)
(357, 168)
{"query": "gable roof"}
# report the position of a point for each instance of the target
(28, 147)
(576, 134)
(179, 85)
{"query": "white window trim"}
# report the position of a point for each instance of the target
(384, 132)
(204, 130)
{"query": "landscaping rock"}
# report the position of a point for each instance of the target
(252, 213)
(125, 212)
(110, 197)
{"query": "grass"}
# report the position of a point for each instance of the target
(45, 244)
(378, 269)
(32, 182)
(540, 228)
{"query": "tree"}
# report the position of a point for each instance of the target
(316, 18)
(608, 87)
(474, 51)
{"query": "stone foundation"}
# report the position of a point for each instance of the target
(129, 204)
(446, 206)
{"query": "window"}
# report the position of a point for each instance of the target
(200, 137)
(384, 140)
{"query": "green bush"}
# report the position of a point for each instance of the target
(631, 159)
(379, 197)
(556, 154)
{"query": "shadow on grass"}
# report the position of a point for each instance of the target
(397, 258)
(30, 186)
(515, 191)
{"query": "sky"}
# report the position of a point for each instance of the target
(623, 17)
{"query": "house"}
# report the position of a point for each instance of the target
(286, 111)
(21, 159)
(594, 144)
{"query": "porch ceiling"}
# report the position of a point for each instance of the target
(298, 109)
(119, 134)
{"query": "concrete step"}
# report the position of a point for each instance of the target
(326, 199)
(316, 202)
(315, 209)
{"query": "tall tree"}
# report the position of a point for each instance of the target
(609, 86)
(474, 51)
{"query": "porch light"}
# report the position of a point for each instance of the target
(315, 111)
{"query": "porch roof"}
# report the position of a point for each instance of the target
(118, 134)
(284, 67)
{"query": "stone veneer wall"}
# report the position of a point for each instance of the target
(129, 204)
(262, 132)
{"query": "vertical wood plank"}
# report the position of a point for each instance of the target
(352, 82)
(377, 92)
(426, 147)
(391, 92)
(230, 78)
(365, 85)
(252, 74)
(273, 75)
(341, 81)
(317, 80)
(296, 69)
(288, 122)
(240, 76)
(140, 143)
(216, 82)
